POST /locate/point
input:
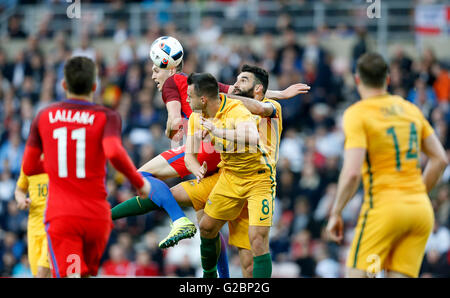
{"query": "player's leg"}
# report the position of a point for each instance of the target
(166, 165)
(246, 258)
(238, 237)
(96, 237)
(262, 260)
(161, 195)
(191, 193)
(224, 204)
(43, 270)
(33, 252)
(210, 245)
(260, 211)
(159, 167)
(65, 246)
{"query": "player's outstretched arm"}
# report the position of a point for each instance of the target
(437, 161)
(256, 107)
(347, 185)
(174, 120)
(245, 132)
(289, 92)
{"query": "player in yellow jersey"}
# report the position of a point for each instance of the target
(190, 193)
(247, 169)
(37, 188)
(384, 135)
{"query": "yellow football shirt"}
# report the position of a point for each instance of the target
(37, 186)
(391, 129)
(238, 158)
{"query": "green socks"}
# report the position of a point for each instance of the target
(262, 266)
(210, 251)
(133, 206)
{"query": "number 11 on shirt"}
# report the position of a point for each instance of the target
(79, 135)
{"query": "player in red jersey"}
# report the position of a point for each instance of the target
(77, 137)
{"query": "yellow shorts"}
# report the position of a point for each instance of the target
(231, 192)
(391, 234)
(199, 193)
(37, 250)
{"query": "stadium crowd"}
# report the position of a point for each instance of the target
(310, 151)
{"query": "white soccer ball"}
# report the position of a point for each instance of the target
(166, 52)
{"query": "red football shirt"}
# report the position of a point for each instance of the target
(77, 137)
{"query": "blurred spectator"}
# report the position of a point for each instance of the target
(144, 266)
(442, 205)
(441, 85)
(15, 221)
(310, 185)
(289, 51)
(423, 96)
(436, 264)
(185, 269)
(13, 245)
(279, 237)
(15, 28)
(439, 239)
(126, 242)
(302, 253)
(9, 262)
(117, 264)
(291, 151)
(12, 152)
(85, 49)
(22, 269)
(302, 216)
(326, 266)
(7, 186)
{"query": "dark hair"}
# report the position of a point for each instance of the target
(79, 73)
(372, 70)
(261, 75)
(205, 84)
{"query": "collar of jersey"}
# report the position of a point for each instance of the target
(79, 101)
(222, 104)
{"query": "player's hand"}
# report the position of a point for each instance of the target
(294, 90)
(201, 172)
(144, 191)
(208, 125)
(335, 228)
(23, 203)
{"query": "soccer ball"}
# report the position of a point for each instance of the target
(166, 52)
